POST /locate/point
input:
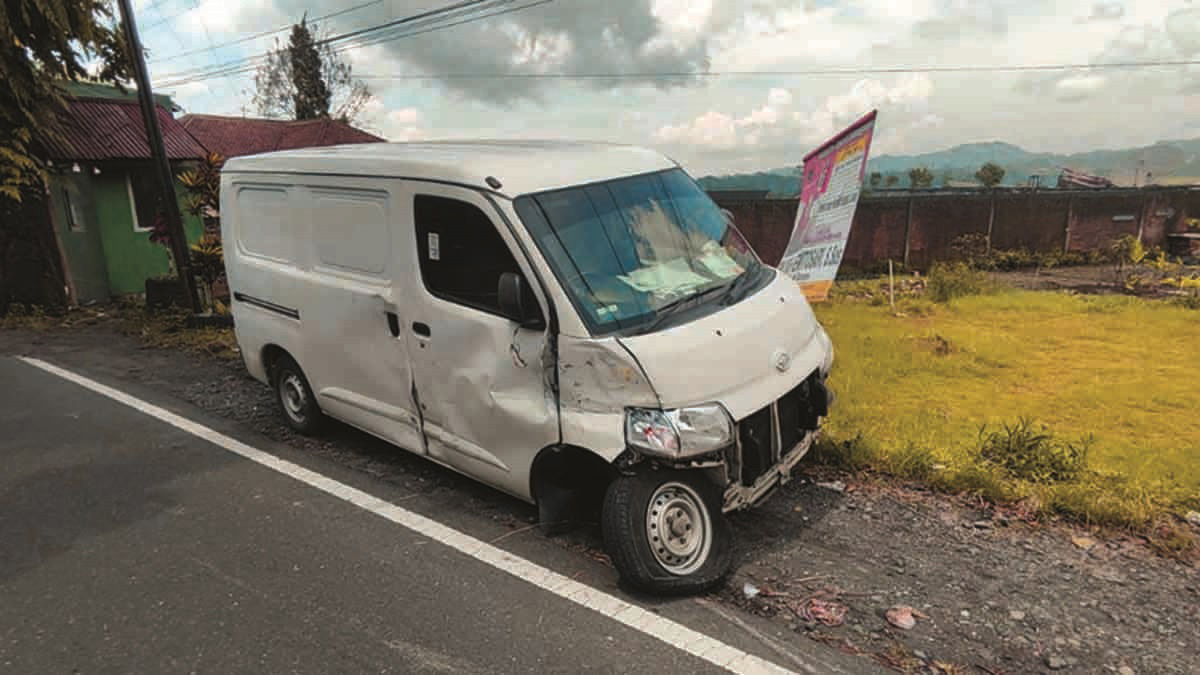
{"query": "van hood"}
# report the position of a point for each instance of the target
(743, 357)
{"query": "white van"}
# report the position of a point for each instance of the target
(576, 324)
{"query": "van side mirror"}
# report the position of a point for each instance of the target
(518, 302)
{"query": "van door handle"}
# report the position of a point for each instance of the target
(421, 329)
(393, 324)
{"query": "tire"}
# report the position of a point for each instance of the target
(638, 505)
(295, 397)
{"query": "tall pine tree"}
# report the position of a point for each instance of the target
(311, 94)
(307, 78)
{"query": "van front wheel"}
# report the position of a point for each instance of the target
(665, 531)
(295, 397)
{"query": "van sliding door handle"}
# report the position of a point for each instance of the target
(421, 329)
(393, 324)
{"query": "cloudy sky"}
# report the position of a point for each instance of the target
(730, 85)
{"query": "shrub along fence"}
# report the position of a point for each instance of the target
(920, 227)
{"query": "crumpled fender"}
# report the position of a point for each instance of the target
(598, 379)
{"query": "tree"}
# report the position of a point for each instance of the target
(891, 180)
(920, 177)
(990, 175)
(307, 79)
(876, 179)
(45, 42)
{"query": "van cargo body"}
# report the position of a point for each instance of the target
(576, 324)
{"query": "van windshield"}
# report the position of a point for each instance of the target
(633, 250)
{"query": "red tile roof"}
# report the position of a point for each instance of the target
(99, 129)
(237, 136)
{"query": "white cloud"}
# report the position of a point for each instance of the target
(763, 117)
(404, 124)
(779, 98)
(1079, 87)
(712, 129)
(1109, 10)
(907, 95)
(404, 116)
(1183, 26)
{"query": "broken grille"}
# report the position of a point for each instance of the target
(768, 433)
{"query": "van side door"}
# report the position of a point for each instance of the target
(484, 384)
(355, 354)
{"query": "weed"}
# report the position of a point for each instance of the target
(911, 461)
(955, 280)
(1110, 501)
(852, 454)
(978, 480)
(1029, 452)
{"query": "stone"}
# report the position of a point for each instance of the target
(1016, 615)
(1193, 517)
(1056, 662)
(901, 617)
(1125, 670)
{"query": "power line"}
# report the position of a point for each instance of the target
(251, 61)
(167, 19)
(265, 33)
(789, 73)
(249, 64)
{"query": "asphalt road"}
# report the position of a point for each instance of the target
(127, 545)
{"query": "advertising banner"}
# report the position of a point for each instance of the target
(829, 189)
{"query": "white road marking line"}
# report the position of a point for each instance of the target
(677, 635)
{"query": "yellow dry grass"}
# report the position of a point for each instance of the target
(1123, 370)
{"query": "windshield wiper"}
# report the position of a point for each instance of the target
(741, 281)
(675, 306)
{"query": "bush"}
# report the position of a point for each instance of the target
(955, 280)
(1031, 453)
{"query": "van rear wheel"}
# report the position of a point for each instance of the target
(295, 397)
(666, 533)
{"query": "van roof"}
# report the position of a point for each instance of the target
(521, 166)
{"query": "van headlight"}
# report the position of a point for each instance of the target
(684, 432)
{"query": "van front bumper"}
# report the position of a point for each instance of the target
(772, 441)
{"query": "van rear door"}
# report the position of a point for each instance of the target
(487, 405)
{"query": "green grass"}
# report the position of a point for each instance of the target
(914, 391)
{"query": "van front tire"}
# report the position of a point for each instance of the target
(666, 533)
(295, 397)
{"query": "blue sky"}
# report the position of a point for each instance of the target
(734, 122)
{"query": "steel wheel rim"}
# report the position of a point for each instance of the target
(291, 393)
(678, 528)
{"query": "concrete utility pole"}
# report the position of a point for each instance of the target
(154, 138)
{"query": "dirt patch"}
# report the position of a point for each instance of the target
(829, 557)
(1084, 279)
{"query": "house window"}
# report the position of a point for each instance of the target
(460, 252)
(143, 198)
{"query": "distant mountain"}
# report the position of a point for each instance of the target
(1166, 159)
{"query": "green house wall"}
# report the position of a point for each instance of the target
(109, 243)
(81, 244)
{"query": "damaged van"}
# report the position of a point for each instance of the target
(576, 324)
